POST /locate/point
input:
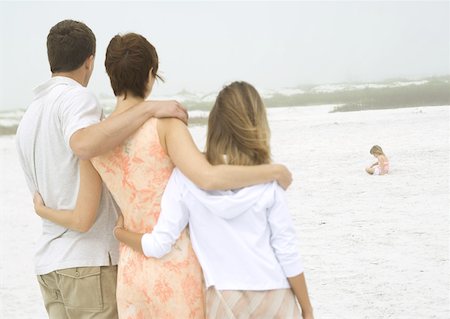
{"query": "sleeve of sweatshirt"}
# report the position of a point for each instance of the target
(172, 220)
(283, 237)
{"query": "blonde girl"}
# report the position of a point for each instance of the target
(381, 167)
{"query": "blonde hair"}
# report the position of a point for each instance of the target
(376, 150)
(238, 130)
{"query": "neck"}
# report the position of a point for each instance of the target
(75, 75)
(123, 104)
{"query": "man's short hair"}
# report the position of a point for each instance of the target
(69, 44)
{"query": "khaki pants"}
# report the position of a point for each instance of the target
(80, 293)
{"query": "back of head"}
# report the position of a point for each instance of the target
(238, 128)
(376, 150)
(69, 44)
(129, 59)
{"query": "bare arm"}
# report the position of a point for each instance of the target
(104, 136)
(298, 285)
(382, 160)
(83, 216)
(182, 150)
(127, 237)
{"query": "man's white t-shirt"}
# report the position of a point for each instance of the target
(61, 107)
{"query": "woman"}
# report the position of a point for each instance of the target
(136, 173)
(244, 239)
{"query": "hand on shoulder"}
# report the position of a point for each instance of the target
(168, 109)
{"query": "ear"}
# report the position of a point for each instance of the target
(89, 63)
(150, 75)
(150, 82)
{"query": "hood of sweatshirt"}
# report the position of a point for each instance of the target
(230, 203)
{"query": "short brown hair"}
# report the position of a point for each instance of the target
(238, 130)
(69, 44)
(129, 59)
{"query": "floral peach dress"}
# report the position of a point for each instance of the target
(136, 173)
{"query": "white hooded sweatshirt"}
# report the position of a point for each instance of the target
(244, 239)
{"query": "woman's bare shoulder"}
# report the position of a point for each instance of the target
(168, 124)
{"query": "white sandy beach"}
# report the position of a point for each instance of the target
(373, 246)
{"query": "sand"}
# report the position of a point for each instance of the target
(373, 246)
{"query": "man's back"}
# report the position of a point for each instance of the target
(61, 107)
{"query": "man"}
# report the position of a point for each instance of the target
(76, 270)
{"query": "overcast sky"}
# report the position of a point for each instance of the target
(203, 45)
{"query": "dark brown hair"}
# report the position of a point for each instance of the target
(238, 130)
(69, 44)
(129, 59)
